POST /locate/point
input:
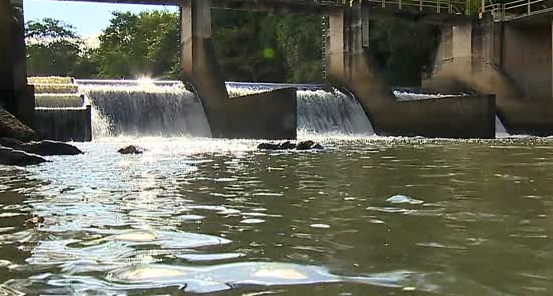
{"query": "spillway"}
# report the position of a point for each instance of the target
(136, 108)
(166, 108)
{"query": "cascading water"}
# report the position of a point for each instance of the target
(319, 111)
(411, 95)
(144, 108)
(500, 130)
(166, 108)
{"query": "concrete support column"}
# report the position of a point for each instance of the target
(270, 115)
(16, 95)
(6, 58)
(348, 42)
(199, 63)
(461, 44)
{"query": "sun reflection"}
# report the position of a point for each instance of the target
(145, 81)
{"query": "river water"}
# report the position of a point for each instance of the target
(364, 216)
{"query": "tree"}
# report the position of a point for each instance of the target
(53, 47)
(140, 44)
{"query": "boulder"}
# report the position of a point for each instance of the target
(308, 145)
(43, 148)
(13, 128)
(305, 145)
(131, 150)
(271, 146)
(9, 156)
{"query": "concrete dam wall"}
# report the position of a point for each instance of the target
(511, 60)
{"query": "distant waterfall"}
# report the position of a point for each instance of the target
(319, 111)
(500, 130)
(138, 108)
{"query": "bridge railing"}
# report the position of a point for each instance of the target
(516, 9)
(440, 6)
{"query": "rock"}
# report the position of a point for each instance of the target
(131, 150)
(13, 128)
(282, 146)
(286, 145)
(43, 148)
(33, 222)
(308, 145)
(267, 146)
(9, 156)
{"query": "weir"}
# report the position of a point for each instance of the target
(166, 108)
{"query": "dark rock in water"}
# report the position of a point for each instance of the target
(13, 128)
(131, 150)
(9, 156)
(282, 146)
(267, 146)
(308, 145)
(34, 222)
(286, 145)
(43, 148)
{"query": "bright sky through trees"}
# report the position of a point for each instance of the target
(88, 18)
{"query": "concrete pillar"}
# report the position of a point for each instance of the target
(6, 59)
(461, 45)
(199, 63)
(15, 94)
(269, 115)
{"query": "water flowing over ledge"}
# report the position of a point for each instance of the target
(166, 108)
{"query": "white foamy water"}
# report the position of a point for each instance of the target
(144, 109)
(318, 111)
(166, 108)
(500, 130)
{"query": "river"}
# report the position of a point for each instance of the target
(364, 216)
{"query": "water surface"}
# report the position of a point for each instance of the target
(370, 216)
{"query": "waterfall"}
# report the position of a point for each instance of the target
(132, 107)
(319, 111)
(500, 130)
(144, 108)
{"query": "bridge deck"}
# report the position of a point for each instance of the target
(525, 12)
(437, 11)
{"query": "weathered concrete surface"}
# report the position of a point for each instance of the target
(269, 115)
(266, 115)
(511, 61)
(67, 124)
(350, 65)
(16, 96)
(11, 127)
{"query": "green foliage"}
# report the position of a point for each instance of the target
(139, 44)
(250, 46)
(53, 47)
(403, 50)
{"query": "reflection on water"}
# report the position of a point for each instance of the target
(372, 216)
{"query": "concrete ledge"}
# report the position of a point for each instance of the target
(269, 115)
(64, 124)
(454, 117)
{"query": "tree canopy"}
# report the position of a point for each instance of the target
(251, 46)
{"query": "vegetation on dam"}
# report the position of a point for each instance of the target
(251, 46)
